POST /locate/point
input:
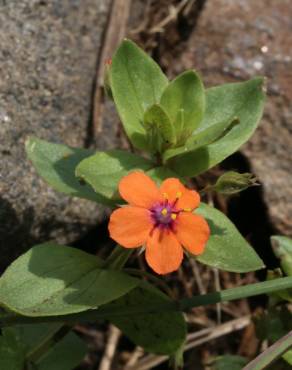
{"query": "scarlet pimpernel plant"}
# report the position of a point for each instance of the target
(178, 130)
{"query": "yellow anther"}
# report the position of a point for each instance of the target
(178, 194)
(173, 216)
(187, 209)
(164, 212)
(165, 195)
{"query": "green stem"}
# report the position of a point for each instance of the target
(48, 342)
(172, 306)
(151, 277)
(271, 354)
(118, 258)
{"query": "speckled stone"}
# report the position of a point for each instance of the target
(48, 54)
(237, 40)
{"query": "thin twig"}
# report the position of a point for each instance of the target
(143, 24)
(115, 32)
(136, 354)
(172, 16)
(217, 288)
(110, 349)
(187, 286)
(197, 274)
(188, 7)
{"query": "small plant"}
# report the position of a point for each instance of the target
(179, 130)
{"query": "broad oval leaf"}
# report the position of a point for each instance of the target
(51, 280)
(137, 82)
(184, 101)
(162, 332)
(103, 170)
(226, 248)
(56, 164)
(244, 100)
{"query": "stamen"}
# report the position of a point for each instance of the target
(173, 216)
(178, 194)
(164, 212)
(187, 209)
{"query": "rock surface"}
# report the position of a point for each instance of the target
(237, 40)
(47, 67)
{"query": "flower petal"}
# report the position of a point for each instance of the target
(130, 226)
(192, 231)
(173, 189)
(164, 253)
(139, 190)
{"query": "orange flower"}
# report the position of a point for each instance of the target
(159, 218)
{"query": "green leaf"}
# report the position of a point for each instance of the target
(137, 82)
(184, 101)
(51, 280)
(160, 131)
(202, 138)
(226, 248)
(244, 100)
(11, 350)
(56, 164)
(229, 362)
(282, 247)
(104, 170)
(162, 333)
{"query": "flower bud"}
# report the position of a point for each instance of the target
(282, 247)
(233, 182)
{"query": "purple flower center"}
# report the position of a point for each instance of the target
(164, 214)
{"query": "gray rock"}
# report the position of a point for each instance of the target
(237, 40)
(48, 53)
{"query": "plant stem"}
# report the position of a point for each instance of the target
(48, 342)
(151, 277)
(104, 312)
(271, 354)
(118, 258)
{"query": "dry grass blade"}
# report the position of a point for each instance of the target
(172, 16)
(115, 32)
(110, 349)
